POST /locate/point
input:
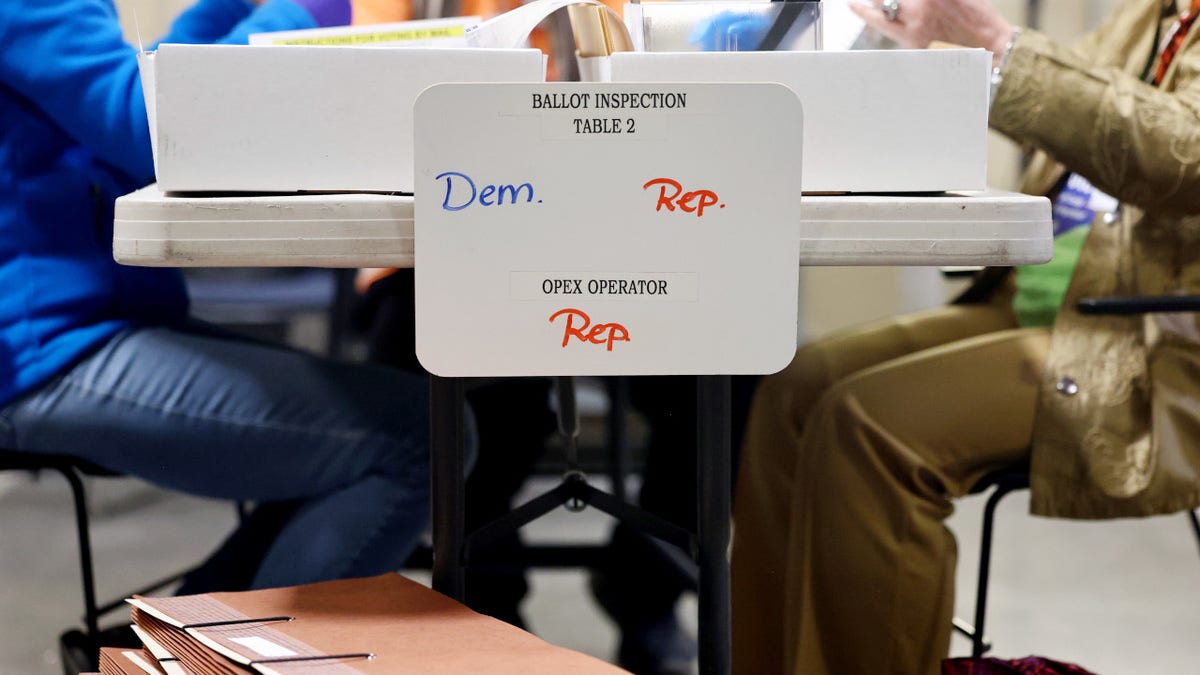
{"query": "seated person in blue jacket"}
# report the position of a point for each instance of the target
(100, 361)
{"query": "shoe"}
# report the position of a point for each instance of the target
(652, 641)
(77, 653)
(658, 647)
(80, 654)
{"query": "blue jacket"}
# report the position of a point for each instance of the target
(73, 138)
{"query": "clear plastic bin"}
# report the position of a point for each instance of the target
(725, 26)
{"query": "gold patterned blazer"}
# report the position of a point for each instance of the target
(1118, 424)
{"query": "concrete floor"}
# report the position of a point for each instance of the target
(1117, 597)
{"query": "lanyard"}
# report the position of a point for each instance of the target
(1174, 39)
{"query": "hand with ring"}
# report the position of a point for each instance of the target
(890, 9)
(916, 23)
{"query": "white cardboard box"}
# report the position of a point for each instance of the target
(282, 119)
(874, 121)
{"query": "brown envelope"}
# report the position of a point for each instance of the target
(124, 661)
(383, 624)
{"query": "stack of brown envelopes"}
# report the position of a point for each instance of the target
(383, 624)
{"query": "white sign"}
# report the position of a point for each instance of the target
(604, 229)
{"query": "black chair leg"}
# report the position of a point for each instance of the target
(979, 644)
(1195, 520)
(91, 617)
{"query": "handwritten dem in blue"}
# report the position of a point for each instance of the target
(461, 192)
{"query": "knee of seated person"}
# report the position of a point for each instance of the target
(840, 409)
(407, 454)
(850, 427)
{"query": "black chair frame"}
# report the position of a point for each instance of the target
(1004, 482)
(1009, 481)
(75, 471)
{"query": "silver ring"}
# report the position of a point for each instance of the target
(890, 9)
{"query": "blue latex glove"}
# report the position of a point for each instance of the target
(731, 31)
(327, 12)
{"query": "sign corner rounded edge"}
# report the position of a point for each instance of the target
(783, 359)
(425, 94)
(794, 96)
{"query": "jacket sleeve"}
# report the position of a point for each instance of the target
(70, 60)
(1137, 142)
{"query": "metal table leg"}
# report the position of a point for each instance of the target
(446, 417)
(713, 408)
(618, 440)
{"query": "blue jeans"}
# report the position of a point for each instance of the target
(234, 419)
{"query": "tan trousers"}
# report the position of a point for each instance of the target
(841, 561)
